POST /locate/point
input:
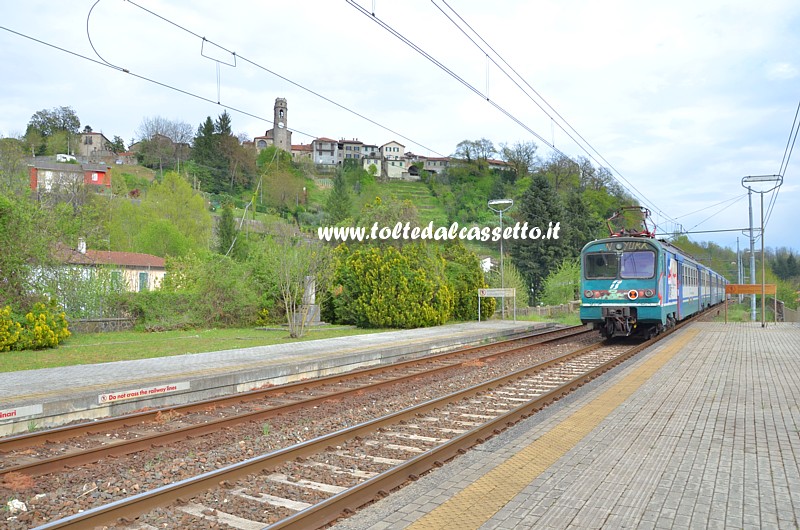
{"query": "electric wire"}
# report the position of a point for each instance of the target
(787, 155)
(712, 206)
(298, 85)
(455, 76)
(472, 88)
(148, 79)
(719, 212)
(553, 120)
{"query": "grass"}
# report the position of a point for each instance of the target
(428, 206)
(741, 313)
(91, 348)
(568, 319)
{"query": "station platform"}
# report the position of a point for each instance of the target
(54, 396)
(700, 431)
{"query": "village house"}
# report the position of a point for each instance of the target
(49, 176)
(140, 272)
(94, 147)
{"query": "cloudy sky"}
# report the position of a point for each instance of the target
(681, 98)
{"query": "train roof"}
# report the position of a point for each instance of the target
(658, 243)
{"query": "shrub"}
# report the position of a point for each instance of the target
(9, 329)
(43, 327)
(390, 287)
(464, 272)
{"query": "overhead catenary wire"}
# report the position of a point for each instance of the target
(298, 85)
(544, 101)
(787, 155)
(712, 206)
(145, 78)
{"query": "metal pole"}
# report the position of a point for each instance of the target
(502, 283)
(752, 257)
(763, 269)
(739, 272)
(502, 205)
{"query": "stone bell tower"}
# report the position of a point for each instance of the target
(281, 135)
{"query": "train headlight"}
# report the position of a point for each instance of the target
(633, 294)
(648, 293)
(588, 294)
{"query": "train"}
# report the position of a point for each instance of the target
(633, 284)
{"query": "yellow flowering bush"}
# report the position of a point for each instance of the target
(43, 327)
(9, 329)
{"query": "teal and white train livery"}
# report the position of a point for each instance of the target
(640, 286)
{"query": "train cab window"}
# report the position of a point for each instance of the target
(601, 265)
(639, 264)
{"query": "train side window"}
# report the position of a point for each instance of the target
(639, 264)
(601, 265)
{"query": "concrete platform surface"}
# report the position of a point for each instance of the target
(47, 397)
(700, 431)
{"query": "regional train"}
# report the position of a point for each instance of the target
(634, 284)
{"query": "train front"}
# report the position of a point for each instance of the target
(620, 286)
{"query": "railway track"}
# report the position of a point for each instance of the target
(43, 452)
(309, 484)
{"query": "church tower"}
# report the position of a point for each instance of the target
(281, 135)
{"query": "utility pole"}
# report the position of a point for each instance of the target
(500, 206)
(752, 256)
(777, 180)
(739, 271)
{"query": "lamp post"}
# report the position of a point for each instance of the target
(777, 180)
(500, 206)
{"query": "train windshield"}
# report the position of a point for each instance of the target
(639, 264)
(601, 265)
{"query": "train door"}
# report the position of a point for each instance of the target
(681, 279)
(670, 300)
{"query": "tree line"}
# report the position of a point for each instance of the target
(220, 274)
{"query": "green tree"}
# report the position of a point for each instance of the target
(45, 124)
(118, 144)
(161, 238)
(339, 202)
(388, 213)
(535, 258)
(463, 270)
(163, 143)
(512, 279)
(25, 243)
(206, 155)
(13, 169)
(171, 220)
(562, 172)
(391, 287)
(521, 156)
(174, 200)
(226, 231)
(562, 284)
(580, 224)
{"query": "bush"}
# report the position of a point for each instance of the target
(198, 291)
(9, 329)
(390, 287)
(43, 327)
(162, 310)
(464, 273)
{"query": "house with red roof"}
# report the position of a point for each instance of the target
(140, 272)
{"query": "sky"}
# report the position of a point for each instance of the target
(680, 99)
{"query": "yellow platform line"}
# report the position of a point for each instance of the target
(476, 504)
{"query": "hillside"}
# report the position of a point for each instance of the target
(420, 196)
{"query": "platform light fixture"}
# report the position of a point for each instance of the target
(776, 181)
(500, 206)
